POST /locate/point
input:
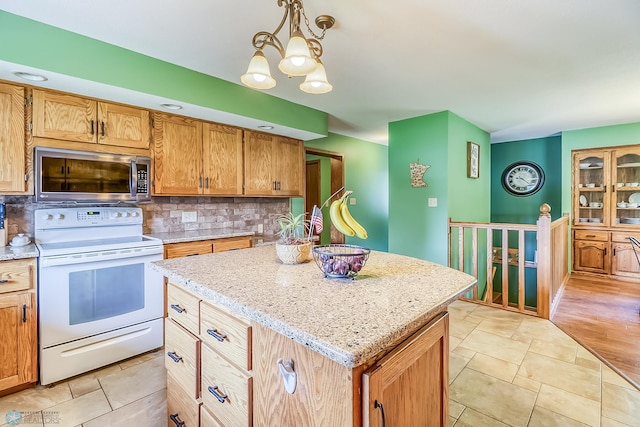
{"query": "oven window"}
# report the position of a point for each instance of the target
(105, 292)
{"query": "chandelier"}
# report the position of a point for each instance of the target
(301, 56)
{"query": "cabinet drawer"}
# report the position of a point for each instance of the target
(597, 235)
(183, 307)
(181, 408)
(178, 250)
(227, 335)
(16, 275)
(208, 420)
(181, 357)
(233, 406)
(222, 245)
(623, 236)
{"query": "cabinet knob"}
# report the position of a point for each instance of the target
(214, 390)
(214, 333)
(176, 420)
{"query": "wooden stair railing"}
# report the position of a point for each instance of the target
(550, 259)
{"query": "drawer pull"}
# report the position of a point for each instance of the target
(4, 280)
(214, 333)
(221, 397)
(592, 236)
(177, 308)
(174, 356)
(175, 419)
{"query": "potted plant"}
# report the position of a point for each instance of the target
(293, 247)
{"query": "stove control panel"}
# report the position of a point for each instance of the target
(86, 217)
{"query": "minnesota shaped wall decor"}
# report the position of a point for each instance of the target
(417, 174)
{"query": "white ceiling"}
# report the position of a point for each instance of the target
(517, 69)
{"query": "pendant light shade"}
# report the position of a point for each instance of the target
(316, 81)
(258, 75)
(297, 59)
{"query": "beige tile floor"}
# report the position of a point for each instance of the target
(506, 369)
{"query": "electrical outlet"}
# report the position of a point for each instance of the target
(433, 202)
(260, 228)
(352, 200)
(189, 216)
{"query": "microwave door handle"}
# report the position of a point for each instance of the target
(134, 179)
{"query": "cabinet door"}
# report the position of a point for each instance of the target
(18, 337)
(624, 261)
(123, 126)
(409, 386)
(12, 139)
(67, 117)
(289, 167)
(625, 187)
(177, 155)
(591, 177)
(222, 168)
(258, 164)
(591, 256)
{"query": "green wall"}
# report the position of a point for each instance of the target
(440, 141)
(546, 152)
(42, 46)
(366, 170)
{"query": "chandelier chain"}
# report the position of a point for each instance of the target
(306, 22)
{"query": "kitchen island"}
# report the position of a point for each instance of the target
(331, 335)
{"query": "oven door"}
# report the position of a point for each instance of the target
(87, 294)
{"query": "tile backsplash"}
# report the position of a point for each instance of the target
(164, 214)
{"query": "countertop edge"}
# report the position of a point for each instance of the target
(330, 351)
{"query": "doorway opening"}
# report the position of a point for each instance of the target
(324, 176)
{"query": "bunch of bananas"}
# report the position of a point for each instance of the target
(342, 219)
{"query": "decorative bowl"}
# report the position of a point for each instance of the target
(340, 261)
(293, 254)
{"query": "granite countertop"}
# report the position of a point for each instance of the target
(195, 235)
(10, 252)
(348, 321)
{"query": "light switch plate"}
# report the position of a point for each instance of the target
(189, 216)
(260, 228)
(352, 200)
(433, 202)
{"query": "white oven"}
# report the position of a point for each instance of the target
(99, 302)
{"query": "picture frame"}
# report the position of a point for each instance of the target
(473, 160)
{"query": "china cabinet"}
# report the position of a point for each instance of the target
(606, 210)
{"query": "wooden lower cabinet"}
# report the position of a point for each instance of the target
(182, 410)
(241, 383)
(201, 247)
(606, 253)
(18, 333)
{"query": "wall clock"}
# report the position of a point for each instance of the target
(522, 178)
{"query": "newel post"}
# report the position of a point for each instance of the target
(544, 261)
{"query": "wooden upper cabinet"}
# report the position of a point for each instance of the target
(258, 164)
(274, 165)
(222, 162)
(73, 118)
(289, 166)
(12, 139)
(177, 152)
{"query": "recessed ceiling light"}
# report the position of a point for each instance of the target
(265, 127)
(171, 106)
(32, 77)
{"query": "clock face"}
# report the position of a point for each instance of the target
(522, 178)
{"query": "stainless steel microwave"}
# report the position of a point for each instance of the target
(84, 176)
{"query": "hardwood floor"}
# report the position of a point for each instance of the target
(604, 317)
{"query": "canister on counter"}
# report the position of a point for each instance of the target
(3, 225)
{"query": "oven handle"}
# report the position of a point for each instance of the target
(99, 256)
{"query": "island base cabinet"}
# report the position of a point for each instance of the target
(182, 410)
(409, 386)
